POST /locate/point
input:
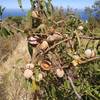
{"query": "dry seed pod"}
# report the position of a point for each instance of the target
(34, 14)
(60, 72)
(46, 65)
(28, 73)
(44, 45)
(33, 40)
(50, 38)
(88, 53)
(54, 37)
(80, 28)
(77, 58)
(30, 66)
(57, 36)
(75, 62)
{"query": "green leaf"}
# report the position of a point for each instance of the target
(78, 39)
(20, 3)
(3, 9)
(32, 2)
(66, 84)
(30, 49)
(5, 32)
(34, 86)
(53, 91)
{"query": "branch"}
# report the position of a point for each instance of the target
(57, 44)
(91, 38)
(73, 86)
(91, 59)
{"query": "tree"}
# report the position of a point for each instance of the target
(39, 9)
(88, 11)
(1, 11)
(96, 9)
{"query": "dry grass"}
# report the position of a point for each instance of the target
(14, 55)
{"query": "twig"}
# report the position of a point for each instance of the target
(57, 44)
(73, 86)
(91, 38)
(4, 57)
(17, 28)
(83, 62)
(91, 59)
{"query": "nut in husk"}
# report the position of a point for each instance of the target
(44, 45)
(34, 14)
(46, 65)
(60, 72)
(80, 28)
(75, 62)
(77, 58)
(90, 53)
(54, 37)
(33, 40)
(29, 66)
(28, 73)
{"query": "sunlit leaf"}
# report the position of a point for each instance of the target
(34, 86)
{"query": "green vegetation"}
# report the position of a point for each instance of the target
(1, 11)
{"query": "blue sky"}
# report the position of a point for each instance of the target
(80, 4)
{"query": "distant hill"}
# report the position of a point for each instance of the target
(19, 12)
(14, 12)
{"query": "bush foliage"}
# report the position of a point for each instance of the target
(65, 54)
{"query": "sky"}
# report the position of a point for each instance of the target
(79, 4)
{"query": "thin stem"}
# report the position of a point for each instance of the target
(91, 38)
(57, 44)
(73, 86)
(17, 29)
(91, 59)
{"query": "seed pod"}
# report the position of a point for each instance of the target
(50, 38)
(34, 14)
(80, 28)
(60, 72)
(46, 65)
(77, 58)
(44, 45)
(28, 73)
(88, 53)
(33, 40)
(54, 37)
(75, 62)
(29, 66)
